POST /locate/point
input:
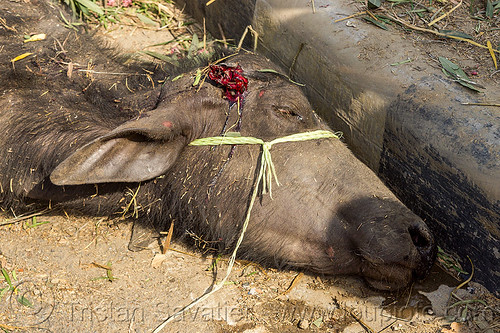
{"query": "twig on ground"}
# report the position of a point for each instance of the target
(483, 104)
(411, 26)
(350, 16)
(294, 283)
(24, 217)
(444, 15)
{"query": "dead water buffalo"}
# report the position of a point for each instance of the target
(78, 144)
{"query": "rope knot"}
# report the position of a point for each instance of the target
(267, 169)
(267, 146)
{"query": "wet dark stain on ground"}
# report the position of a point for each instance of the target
(404, 306)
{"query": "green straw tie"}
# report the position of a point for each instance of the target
(267, 171)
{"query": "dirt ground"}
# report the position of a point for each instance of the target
(61, 283)
(62, 273)
(465, 19)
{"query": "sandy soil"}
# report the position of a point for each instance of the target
(60, 283)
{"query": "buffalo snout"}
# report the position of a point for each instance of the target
(393, 244)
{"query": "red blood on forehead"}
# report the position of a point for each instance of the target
(231, 78)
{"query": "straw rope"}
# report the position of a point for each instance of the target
(267, 165)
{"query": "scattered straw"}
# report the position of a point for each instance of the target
(90, 71)
(361, 322)
(414, 27)
(265, 171)
(8, 328)
(350, 16)
(411, 26)
(24, 217)
(3, 23)
(166, 244)
(224, 41)
(255, 35)
(445, 14)
(126, 85)
(372, 16)
(133, 200)
(294, 283)
(468, 280)
(301, 46)
(461, 284)
(483, 104)
(100, 265)
(204, 35)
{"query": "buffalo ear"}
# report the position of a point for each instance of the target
(136, 151)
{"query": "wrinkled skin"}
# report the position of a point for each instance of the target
(330, 215)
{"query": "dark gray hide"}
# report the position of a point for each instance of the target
(331, 214)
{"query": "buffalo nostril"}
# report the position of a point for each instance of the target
(424, 243)
(419, 237)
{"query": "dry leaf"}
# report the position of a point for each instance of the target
(158, 260)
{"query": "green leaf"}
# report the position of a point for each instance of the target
(6, 277)
(64, 18)
(420, 10)
(318, 322)
(489, 9)
(469, 301)
(68, 24)
(34, 223)
(454, 71)
(73, 9)
(374, 3)
(84, 12)
(470, 86)
(456, 34)
(162, 57)
(268, 71)
(24, 301)
(194, 45)
(179, 39)
(377, 23)
(146, 20)
(3, 291)
(109, 275)
(91, 6)
(197, 78)
(177, 77)
(401, 62)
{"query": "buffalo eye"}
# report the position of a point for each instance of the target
(287, 112)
